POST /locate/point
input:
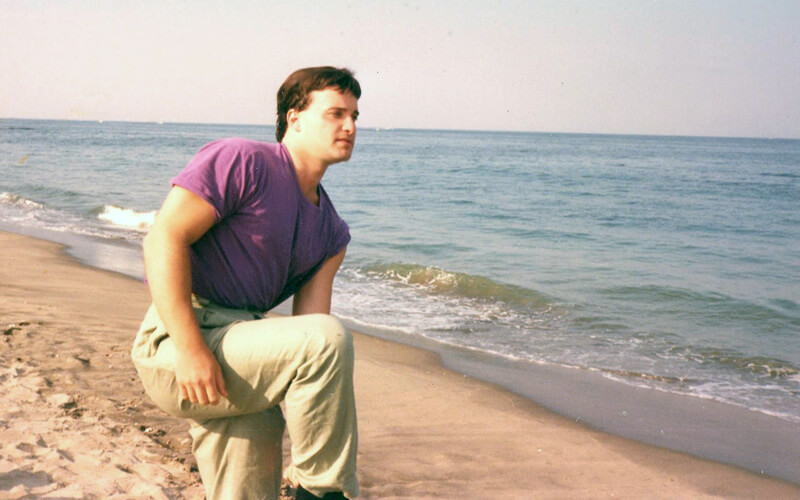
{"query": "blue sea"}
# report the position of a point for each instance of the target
(664, 262)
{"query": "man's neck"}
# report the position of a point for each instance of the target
(309, 173)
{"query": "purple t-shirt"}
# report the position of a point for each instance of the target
(268, 239)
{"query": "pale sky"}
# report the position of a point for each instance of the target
(712, 68)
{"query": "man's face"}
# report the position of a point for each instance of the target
(328, 125)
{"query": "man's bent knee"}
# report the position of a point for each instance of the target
(333, 336)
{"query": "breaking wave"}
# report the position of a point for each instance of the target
(11, 199)
(127, 218)
(438, 281)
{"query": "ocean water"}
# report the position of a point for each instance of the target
(666, 262)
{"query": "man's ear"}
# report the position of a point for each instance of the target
(293, 120)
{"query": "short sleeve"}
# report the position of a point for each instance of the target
(218, 174)
(341, 237)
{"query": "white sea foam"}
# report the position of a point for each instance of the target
(19, 201)
(127, 218)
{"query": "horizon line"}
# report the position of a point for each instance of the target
(387, 129)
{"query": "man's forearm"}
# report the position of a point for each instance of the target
(168, 269)
(315, 296)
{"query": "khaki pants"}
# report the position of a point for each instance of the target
(306, 361)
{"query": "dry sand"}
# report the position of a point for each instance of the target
(74, 422)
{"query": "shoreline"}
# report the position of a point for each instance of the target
(703, 428)
(495, 442)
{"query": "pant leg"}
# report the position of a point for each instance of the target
(241, 456)
(306, 360)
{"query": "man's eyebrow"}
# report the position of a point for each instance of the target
(336, 108)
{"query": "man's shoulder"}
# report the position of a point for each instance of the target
(242, 145)
(237, 153)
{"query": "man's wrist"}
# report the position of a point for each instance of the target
(190, 343)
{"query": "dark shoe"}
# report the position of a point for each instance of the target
(302, 494)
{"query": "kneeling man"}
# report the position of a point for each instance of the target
(245, 226)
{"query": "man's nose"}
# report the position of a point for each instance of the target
(349, 125)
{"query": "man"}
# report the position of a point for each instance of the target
(246, 225)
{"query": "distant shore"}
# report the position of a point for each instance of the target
(76, 422)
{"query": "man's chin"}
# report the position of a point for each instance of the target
(343, 156)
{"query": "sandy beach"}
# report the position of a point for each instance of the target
(75, 422)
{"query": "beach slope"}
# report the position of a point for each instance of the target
(75, 423)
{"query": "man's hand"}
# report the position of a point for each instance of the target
(199, 376)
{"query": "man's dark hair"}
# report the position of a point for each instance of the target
(295, 91)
